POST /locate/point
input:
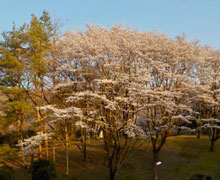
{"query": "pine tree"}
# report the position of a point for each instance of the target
(12, 65)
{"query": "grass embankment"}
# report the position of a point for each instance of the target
(182, 157)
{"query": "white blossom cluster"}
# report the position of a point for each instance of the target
(31, 143)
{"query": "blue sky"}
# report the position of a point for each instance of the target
(199, 19)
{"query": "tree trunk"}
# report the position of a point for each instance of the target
(44, 115)
(155, 160)
(54, 83)
(21, 149)
(46, 141)
(67, 150)
(38, 114)
(212, 146)
(112, 174)
(54, 152)
(40, 151)
(84, 145)
(32, 159)
(46, 148)
(198, 134)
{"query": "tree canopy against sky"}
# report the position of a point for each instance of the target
(197, 18)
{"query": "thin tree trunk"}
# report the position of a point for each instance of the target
(44, 115)
(54, 148)
(198, 134)
(21, 149)
(212, 146)
(46, 148)
(54, 83)
(46, 142)
(84, 145)
(54, 152)
(40, 151)
(22, 120)
(67, 149)
(38, 113)
(32, 159)
(40, 146)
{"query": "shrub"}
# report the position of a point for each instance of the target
(6, 173)
(43, 170)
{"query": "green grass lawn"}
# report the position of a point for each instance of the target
(182, 157)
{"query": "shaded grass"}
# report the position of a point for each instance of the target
(193, 156)
(182, 157)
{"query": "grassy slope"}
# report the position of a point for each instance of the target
(182, 157)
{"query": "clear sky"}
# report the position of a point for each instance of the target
(199, 19)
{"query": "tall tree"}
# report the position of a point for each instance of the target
(38, 46)
(12, 76)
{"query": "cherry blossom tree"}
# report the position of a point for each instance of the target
(168, 108)
(208, 96)
(109, 73)
(131, 84)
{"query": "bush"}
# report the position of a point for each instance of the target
(43, 170)
(6, 173)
